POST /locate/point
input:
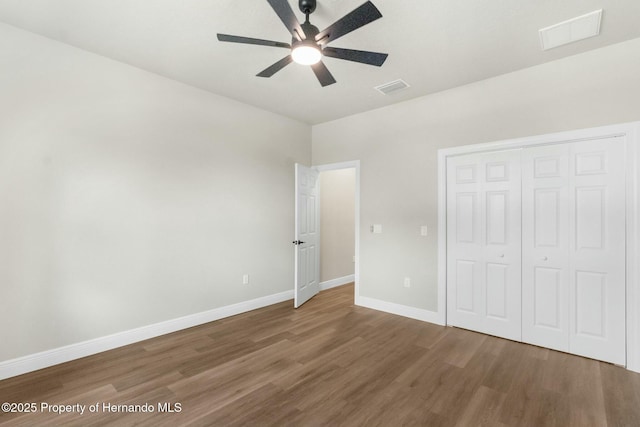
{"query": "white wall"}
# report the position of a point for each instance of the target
(397, 147)
(337, 223)
(128, 199)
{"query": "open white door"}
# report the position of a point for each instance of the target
(307, 254)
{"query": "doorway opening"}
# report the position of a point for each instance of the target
(337, 227)
(335, 259)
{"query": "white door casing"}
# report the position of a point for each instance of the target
(483, 241)
(307, 235)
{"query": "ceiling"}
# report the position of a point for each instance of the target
(433, 45)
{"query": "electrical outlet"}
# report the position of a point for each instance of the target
(407, 282)
(424, 230)
(245, 279)
(376, 228)
(354, 258)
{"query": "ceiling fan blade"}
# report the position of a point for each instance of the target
(322, 73)
(352, 21)
(288, 18)
(363, 56)
(270, 71)
(249, 40)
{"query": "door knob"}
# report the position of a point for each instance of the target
(501, 255)
(298, 242)
(544, 258)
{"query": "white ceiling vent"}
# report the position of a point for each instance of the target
(392, 87)
(579, 28)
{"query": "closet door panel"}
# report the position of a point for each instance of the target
(502, 208)
(547, 307)
(464, 248)
(597, 250)
(466, 285)
(483, 243)
(545, 246)
(497, 291)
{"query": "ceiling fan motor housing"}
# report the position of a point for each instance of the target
(307, 6)
(310, 33)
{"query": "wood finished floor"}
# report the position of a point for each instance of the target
(332, 363)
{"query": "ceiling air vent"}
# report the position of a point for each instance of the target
(392, 87)
(579, 28)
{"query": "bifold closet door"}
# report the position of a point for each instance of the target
(598, 250)
(545, 246)
(574, 248)
(483, 243)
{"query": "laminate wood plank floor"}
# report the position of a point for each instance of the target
(330, 363)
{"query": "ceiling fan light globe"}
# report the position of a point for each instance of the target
(306, 55)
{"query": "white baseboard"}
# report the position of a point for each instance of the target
(328, 284)
(400, 310)
(45, 359)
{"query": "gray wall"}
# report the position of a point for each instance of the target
(337, 223)
(127, 199)
(397, 147)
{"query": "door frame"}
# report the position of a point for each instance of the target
(631, 134)
(354, 164)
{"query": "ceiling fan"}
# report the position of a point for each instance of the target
(309, 45)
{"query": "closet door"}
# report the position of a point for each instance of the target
(545, 246)
(464, 242)
(573, 265)
(597, 250)
(483, 243)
